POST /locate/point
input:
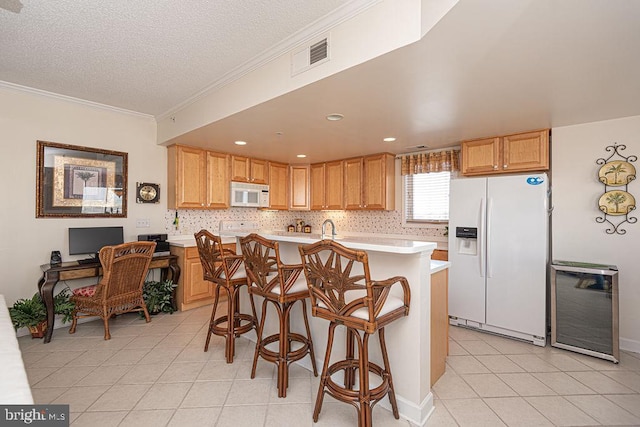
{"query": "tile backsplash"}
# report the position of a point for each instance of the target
(378, 222)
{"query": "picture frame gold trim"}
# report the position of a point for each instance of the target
(76, 181)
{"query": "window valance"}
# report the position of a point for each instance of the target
(435, 161)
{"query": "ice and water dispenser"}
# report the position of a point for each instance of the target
(467, 240)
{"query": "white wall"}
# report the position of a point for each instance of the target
(25, 241)
(353, 42)
(576, 190)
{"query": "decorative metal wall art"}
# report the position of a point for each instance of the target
(616, 175)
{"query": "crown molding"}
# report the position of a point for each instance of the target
(71, 99)
(320, 26)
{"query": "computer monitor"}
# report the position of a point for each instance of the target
(89, 240)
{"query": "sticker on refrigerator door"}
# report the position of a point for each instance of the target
(535, 180)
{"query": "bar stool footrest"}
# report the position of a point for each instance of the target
(292, 356)
(344, 394)
(246, 324)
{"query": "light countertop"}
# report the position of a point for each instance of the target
(368, 243)
(439, 265)
(188, 241)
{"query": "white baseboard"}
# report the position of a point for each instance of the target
(629, 345)
(417, 415)
(58, 324)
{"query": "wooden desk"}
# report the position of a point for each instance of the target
(72, 270)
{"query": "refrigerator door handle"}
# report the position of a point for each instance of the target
(488, 244)
(481, 247)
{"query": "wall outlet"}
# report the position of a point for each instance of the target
(143, 223)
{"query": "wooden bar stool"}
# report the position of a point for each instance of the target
(283, 286)
(225, 270)
(343, 293)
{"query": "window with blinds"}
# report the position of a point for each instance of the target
(426, 197)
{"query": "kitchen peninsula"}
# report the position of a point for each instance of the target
(409, 340)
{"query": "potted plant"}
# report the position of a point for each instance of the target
(158, 296)
(32, 314)
(63, 306)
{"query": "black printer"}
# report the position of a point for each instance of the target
(161, 241)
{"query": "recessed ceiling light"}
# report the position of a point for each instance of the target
(334, 117)
(240, 143)
(301, 156)
(389, 139)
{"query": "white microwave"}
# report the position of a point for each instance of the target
(249, 195)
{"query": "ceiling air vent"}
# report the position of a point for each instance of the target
(310, 55)
(318, 51)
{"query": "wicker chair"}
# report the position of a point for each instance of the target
(124, 268)
(283, 286)
(343, 293)
(225, 270)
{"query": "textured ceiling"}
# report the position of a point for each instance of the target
(142, 55)
(488, 67)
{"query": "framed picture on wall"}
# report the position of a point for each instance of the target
(74, 181)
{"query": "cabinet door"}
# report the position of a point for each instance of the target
(525, 151)
(439, 324)
(240, 169)
(334, 185)
(299, 185)
(217, 180)
(316, 182)
(278, 186)
(377, 188)
(259, 172)
(481, 156)
(195, 287)
(190, 186)
(353, 183)
(440, 255)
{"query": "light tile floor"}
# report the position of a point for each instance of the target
(157, 374)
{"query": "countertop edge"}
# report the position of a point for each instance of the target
(417, 246)
(437, 266)
(353, 243)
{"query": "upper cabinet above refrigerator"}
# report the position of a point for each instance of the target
(506, 154)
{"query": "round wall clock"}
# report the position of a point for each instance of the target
(147, 192)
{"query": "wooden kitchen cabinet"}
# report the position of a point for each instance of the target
(217, 180)
(506, 154)
(246, 169)
(353, 183)
(197, 179)
(278, 186)
(369, 182)
(327, 185)
(440, 255)
(193, 291)
(439, 323)
(379, 189)
(299, 188)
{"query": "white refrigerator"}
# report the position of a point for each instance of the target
(498, 249)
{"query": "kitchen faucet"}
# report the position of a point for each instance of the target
(333, 228)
